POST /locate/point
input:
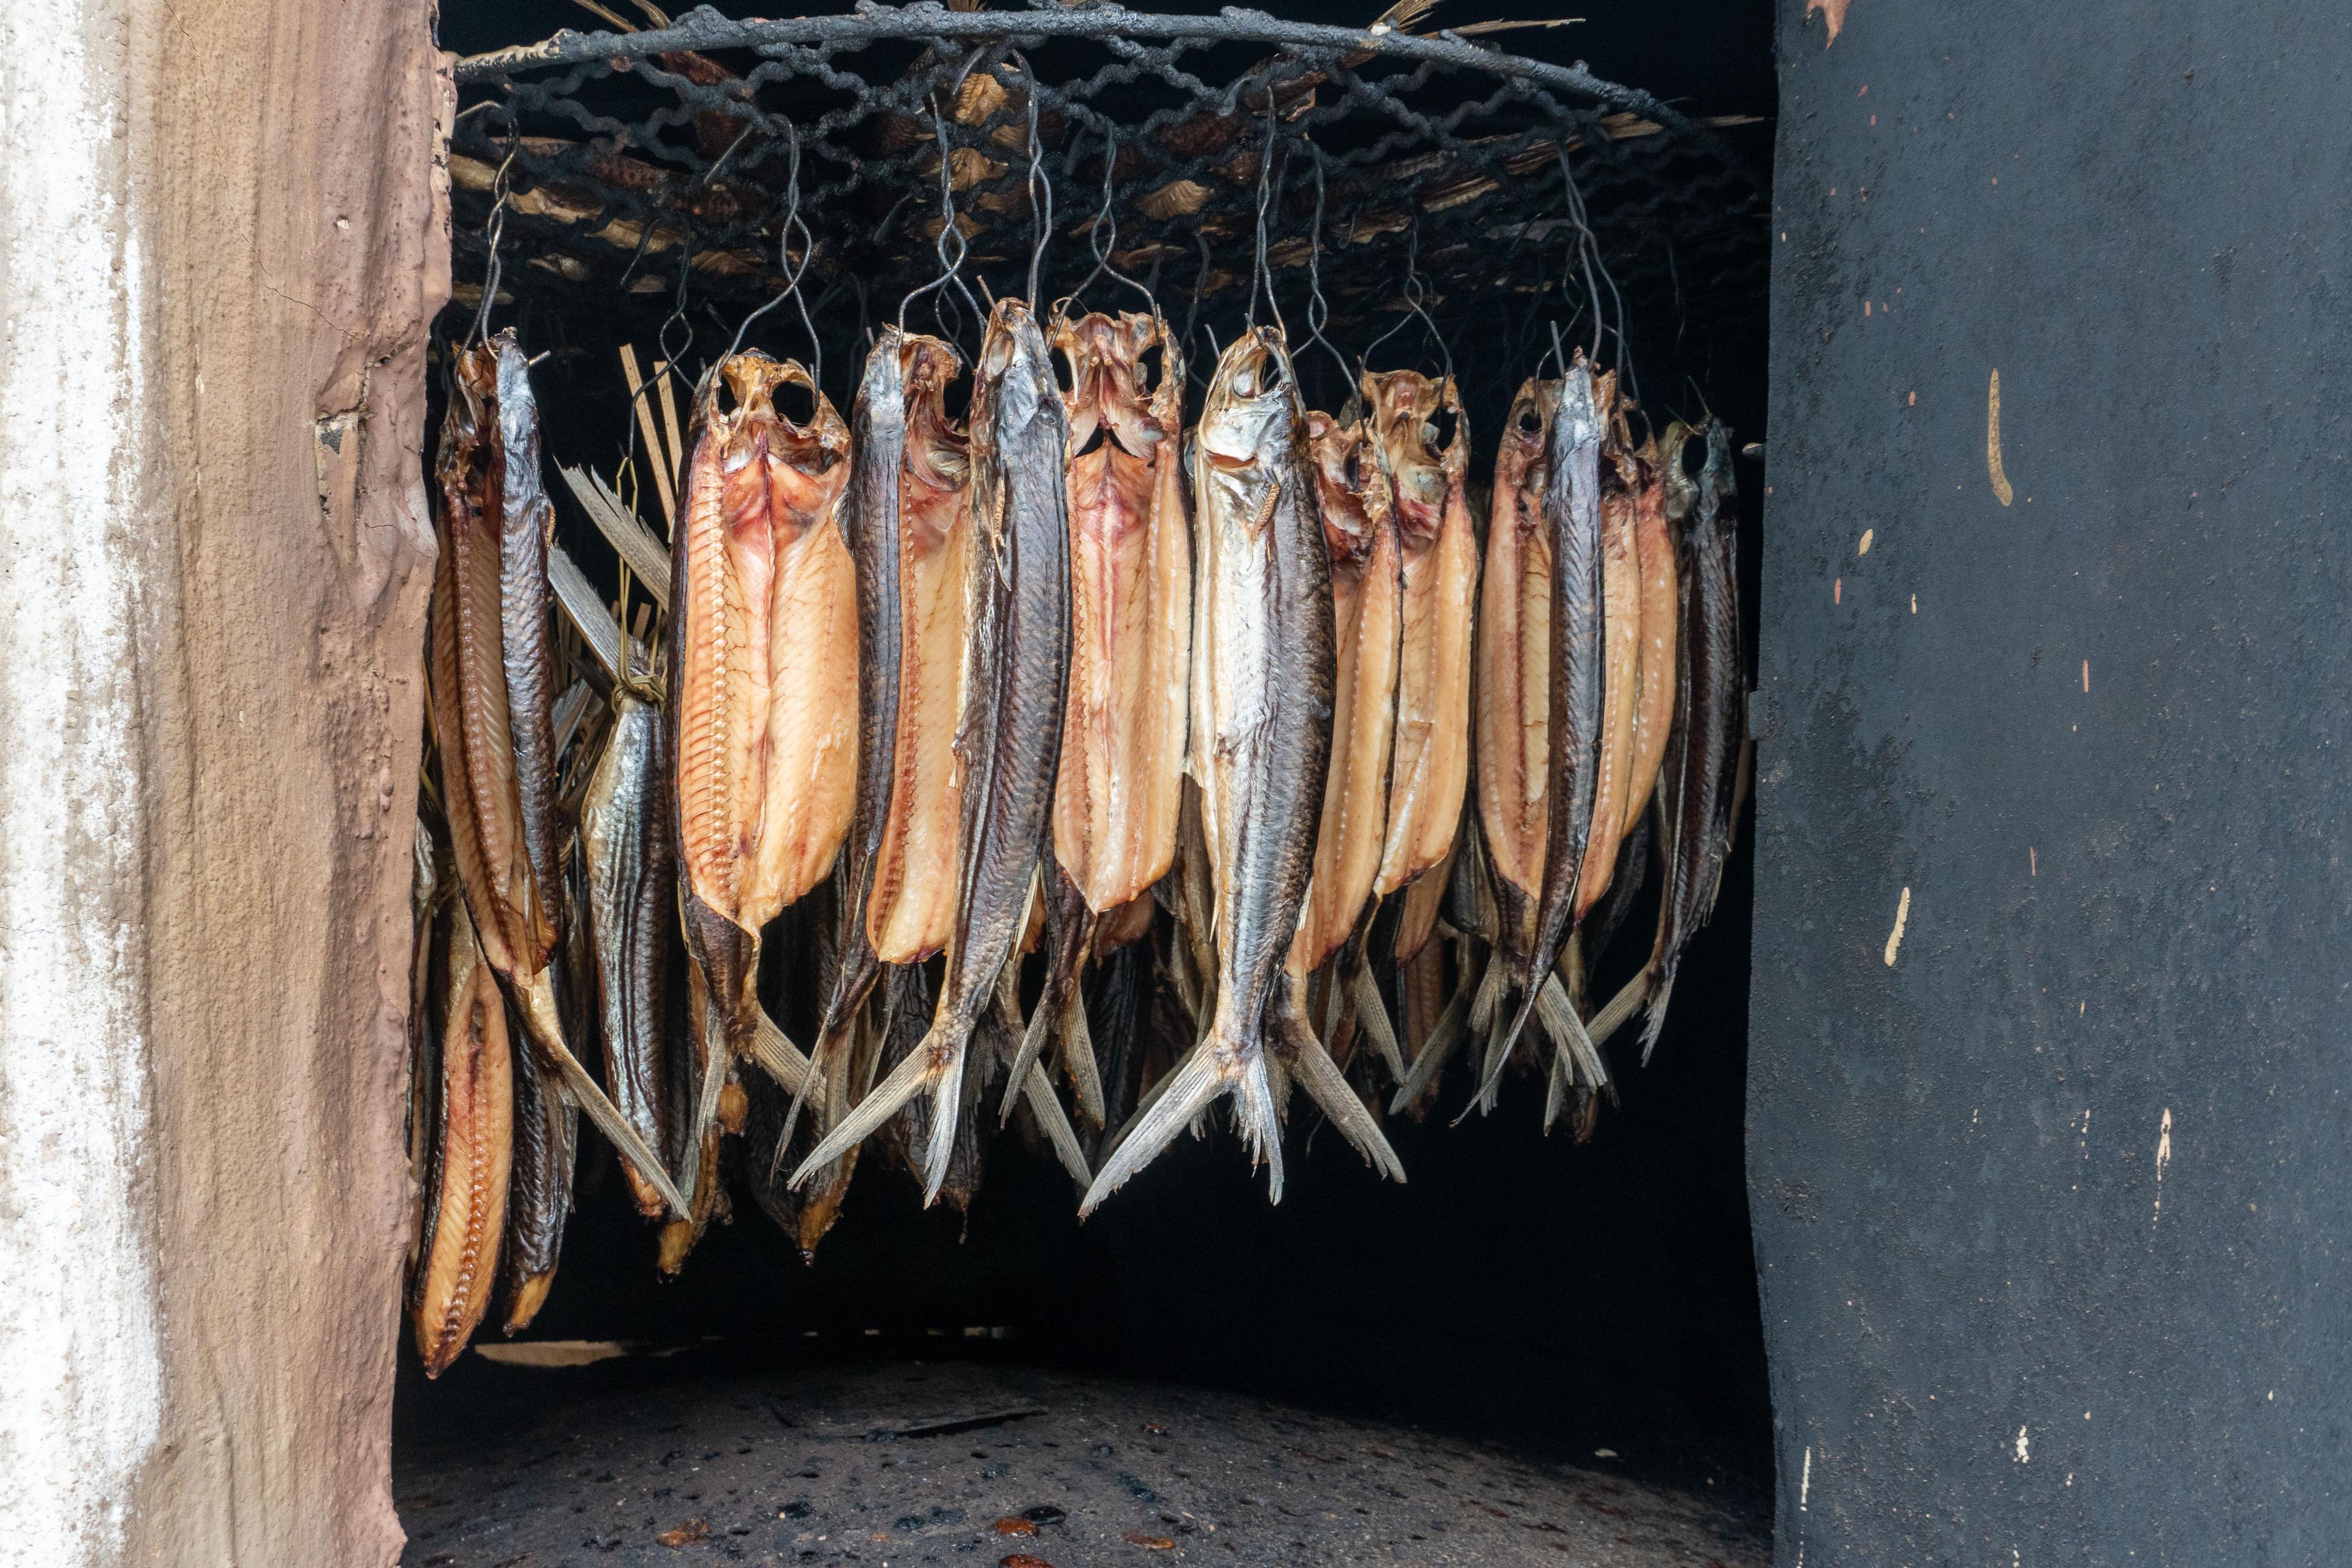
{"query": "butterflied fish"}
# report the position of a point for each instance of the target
(1009, 724)
(625, 839)
(759, 814)
(484, 589)
(472, 1146)
(1572, 515)
(910, 909)
(1263, 658)
(1514, 682)
(1623, 481)
(1116, 790)
(1431, 765)
(1360, 531)
(1654, 546)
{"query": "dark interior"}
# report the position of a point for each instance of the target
(1519, 1286)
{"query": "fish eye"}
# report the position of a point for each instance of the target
(1528, 424)
(1245, 384)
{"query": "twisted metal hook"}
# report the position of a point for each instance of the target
(1318, 309)
(1041, 218)
(951, 247)
(1103, 248)
(792, 274)
(1263, 274)
(494, 230)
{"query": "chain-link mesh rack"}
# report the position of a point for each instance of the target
(1459, 199)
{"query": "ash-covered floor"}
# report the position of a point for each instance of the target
(952, 1462)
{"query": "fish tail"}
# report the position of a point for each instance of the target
(947, 1105)
(1372, 1017)
(812, 1073)
(1451, 1028)
(1657, 1018)
(1047, 1110)
(1499, 1046)
(1032, 1046)
(1576, 1048)
(1079, 1061)
(1312, 1069)
(923, 1069)
(1217, 1065)
(1622, 1008)
(537, 1008)
(1556, 1093)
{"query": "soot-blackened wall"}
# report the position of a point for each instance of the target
(2051, 1152)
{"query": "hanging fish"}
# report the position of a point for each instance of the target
(471, 1150)
(1360, 531)
(624, 839)
(1710, 719)
(491, 705)
(1009, 726)
(1430, 765)
(1623, 482)
(1514, 684)
(762, 589)
(1263, 682)
(1116, 790)
(910, 909)
(1571, 509)
(1654, 544)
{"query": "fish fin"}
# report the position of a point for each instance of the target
(812, 1073)
(1620, 1007)
(947, 1104)
(1657, 1018)
(1032, 1046)
(1312, 1068)
(1567, 1031)
(1556, 1093)
(782, 1060)
(1489, 997)
(537, 1008)
(1048, 1110)
(920, 1070)
(1445, 1034)
(1499, 1047)
(1372, 1017)
(1215, 1068)
(1079, 1061)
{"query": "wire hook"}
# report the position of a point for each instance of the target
(1265, 271)
(793, 275)
(494, 230)
(1041, 218)
(950, 247)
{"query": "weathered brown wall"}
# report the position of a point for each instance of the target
(238, 198)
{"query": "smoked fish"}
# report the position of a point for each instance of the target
(1008, 730)
(492, 792)
(471, 1147)
(1263, 679)
(625, 839)
(1431, 763)
(1623, 483)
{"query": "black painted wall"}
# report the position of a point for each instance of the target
(2052, 1199)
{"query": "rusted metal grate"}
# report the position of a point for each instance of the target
(1353, 181)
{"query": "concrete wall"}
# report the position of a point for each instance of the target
(219, 246)
(2051, 1142)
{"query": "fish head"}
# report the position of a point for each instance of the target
(1519, 455)
(808, 463)
(1015, 377)
(1106, 395)
(1351, 494)
(1716, 482)
(1405, 405)
(1250, 416)
(465, 454)
(937, 444)
(1682, 493)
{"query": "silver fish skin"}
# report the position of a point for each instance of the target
(527, 524)
(1709, 701)
(1263, 677)
(1009, 730)
(624, 839)
(1571, 504)
(869, 518)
